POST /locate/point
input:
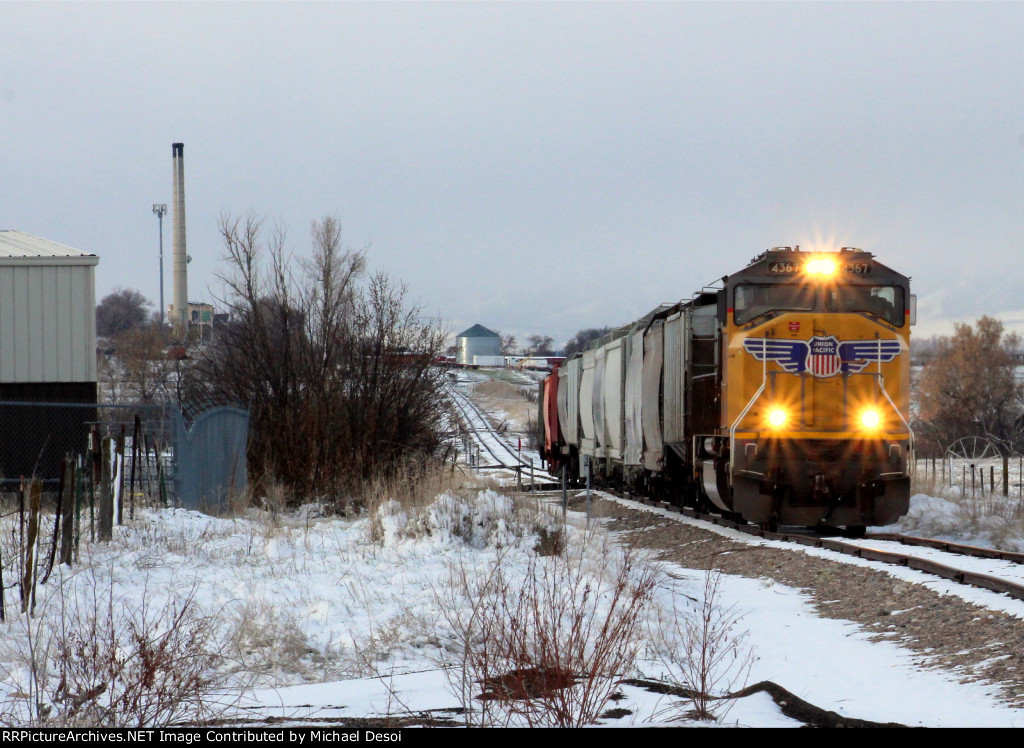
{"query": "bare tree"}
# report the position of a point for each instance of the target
(337, 377)
(509, 345)
(145, 373)
(969, 389)
(539, 345)
(584, 338)
(121, 310)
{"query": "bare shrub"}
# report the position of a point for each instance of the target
(337, 374)
(546, 646)
(105, 661)
(704, 652)
(140, 370)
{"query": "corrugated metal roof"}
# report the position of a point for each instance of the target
(19, 244)
(478, 331)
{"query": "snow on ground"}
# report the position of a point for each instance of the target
(828, 663)
(329, 617)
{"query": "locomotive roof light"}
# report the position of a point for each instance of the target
(823, 266)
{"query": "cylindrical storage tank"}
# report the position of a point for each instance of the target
(587, 437)
(613, 373)
(632, 418)
(650, 412)
(477, 341)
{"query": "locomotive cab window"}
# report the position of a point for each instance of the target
(886, 302)
(753, 300)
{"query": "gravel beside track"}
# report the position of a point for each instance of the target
(946, 631)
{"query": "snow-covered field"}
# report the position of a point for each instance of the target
(312, 619)
(318, 618)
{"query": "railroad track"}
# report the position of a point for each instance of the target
(499, 454)
(884, 548)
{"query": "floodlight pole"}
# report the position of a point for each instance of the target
(159, 209)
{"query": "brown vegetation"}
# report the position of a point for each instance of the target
(969, 389)
(336, 374)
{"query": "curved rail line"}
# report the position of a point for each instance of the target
(811, 538)
(477, 423)
(469, 419)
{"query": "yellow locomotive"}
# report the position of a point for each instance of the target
(780, 396)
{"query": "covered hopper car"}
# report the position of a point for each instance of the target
(780, 395)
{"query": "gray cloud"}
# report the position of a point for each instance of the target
(533, 167)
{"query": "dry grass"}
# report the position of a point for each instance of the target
(986, 517)
(478, 519)
(514, 405)
(267, 642)
(106, 661)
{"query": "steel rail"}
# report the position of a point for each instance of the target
(813, 539)
(476, 422)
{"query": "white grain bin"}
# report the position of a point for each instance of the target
(477, 341)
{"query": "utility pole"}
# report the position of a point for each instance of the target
(159, 209)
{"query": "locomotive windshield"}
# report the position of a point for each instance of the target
(753, 300)
(882, 301)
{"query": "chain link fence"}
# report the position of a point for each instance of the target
(200, 465)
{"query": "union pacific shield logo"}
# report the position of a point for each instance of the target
(823, 357)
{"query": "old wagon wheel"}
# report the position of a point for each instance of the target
(973, 448)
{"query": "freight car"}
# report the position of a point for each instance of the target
(779, 394)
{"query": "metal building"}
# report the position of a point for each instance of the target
(475, 342)
(47, 351)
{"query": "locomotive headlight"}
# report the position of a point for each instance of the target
(870, 419)
(820, 266)
(777, 417)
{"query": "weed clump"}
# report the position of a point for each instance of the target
(488, 519)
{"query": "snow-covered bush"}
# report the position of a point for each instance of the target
(488, 519)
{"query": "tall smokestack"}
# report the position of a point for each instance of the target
(179, 262)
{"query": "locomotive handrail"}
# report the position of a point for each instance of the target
(910, 432)
(742, 415)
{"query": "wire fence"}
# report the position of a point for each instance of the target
(36, 437)
(977, 477)
(91, 466)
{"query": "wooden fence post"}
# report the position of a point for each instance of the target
(120, 476)
(135, 457)
(105, 525)
(28, 587)
(67, 532)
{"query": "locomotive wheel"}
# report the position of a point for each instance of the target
(856, 531)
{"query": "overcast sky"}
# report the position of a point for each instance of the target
(536, 168)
